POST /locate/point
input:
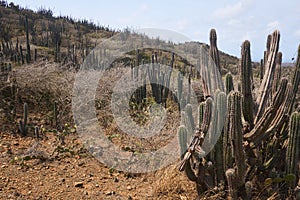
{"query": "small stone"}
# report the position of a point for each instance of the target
(109, 193)
(129, 187)
(79, 184)
(96, 185)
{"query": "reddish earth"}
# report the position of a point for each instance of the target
(45, 169)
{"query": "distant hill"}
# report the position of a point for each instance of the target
(62, 39)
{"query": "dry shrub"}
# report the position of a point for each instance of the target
(172, 184)
(42, 83)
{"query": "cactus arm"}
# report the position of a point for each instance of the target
(264, 91)
(246, 83)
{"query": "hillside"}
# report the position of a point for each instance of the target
(44, 154)
(49, 34)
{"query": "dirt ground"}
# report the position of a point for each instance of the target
(44, 169)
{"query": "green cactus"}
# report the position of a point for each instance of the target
(214, 55)
(28, 54)
(233, 145)
(37, 132)
(229, 83)
(233, 137)
(295, 81)
(23, 127)
(207, 116)
(182, 138)
(246, 83)
(218, 150)
(21, 54)
(213, 50)
(179, 86)
(292, 155)
(201, 109)
(261, 72)
(189, 112)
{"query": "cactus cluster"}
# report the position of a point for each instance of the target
(256, 133)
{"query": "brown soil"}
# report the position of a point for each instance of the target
(45, 169)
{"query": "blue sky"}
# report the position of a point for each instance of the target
(234, 20)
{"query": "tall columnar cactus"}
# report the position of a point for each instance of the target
(293, 150)
(261, 70)
(21, 54)
(296, 80)
(229, 83)
(179, 87)
(214, 54)
(28, 54)
(259, 132)
(263, 142)
(213, 50)
(207, 116)
(227, 138)
(221, 108)
(23, 124)
(246, 83)
(277, 73)
(267, 51)
(263, 93)
(182, 138)
(233, 135)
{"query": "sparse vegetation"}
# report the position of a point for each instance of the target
(42, 156)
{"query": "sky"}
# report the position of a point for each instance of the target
(234, 20)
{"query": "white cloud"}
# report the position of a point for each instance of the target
(230, 11)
